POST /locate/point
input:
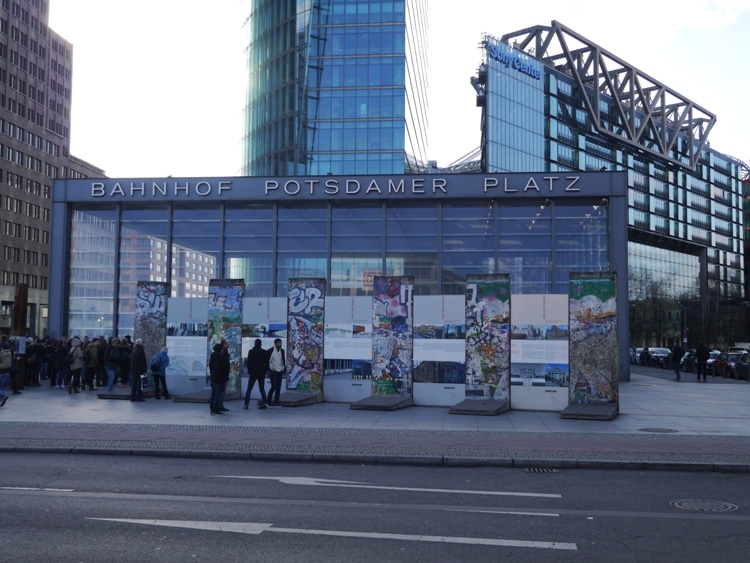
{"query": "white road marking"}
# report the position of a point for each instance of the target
(510, 512)
(256, 528)
(360, 485)
(35, 489)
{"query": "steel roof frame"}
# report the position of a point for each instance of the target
(664, 114)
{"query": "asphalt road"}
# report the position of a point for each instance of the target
(115, 508)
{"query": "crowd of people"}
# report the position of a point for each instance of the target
(76, 364)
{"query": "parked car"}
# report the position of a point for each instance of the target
(659, 357)
(726, 364)
(743, 366)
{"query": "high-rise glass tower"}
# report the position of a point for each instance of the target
(336, 87)
(553, 101)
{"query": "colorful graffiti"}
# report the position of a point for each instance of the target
(150, 322)
(306, 309)
(593, 354)
(225, 323)
(392, 336)
(488, 336)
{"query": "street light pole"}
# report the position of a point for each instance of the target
(684, 310)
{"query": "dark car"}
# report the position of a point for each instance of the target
(726, 364)
(658, 357)
(743, 366)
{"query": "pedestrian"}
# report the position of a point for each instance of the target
(646, 357)
(49, 347)
(138, 367)
(91, 357)
(257, 366)
(226, 362)
(86, 357)
(218, 369)
(75, 363)
(100, 371)
(701, 360)
(124, 358)
(157, 367)
(276, 368)
(677, 353)
(34, 353)
(59, 358)
(112, 361)
(6, 367)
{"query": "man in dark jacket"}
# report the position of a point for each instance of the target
(677, 353)
(138, 367)
(276, 370)
(158, 367)
(219, 367)
(257, 366)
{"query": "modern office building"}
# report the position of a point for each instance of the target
(336, 87)
(554, 101)
(35, 96)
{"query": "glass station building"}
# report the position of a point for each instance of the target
(111, 233)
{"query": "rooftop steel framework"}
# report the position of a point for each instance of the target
(646, 113)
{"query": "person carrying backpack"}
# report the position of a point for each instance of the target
(157, 368)
(112, 361)
(75, 361)
(91, 359)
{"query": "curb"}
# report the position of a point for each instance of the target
(375, 459)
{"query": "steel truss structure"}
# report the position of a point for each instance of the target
(622, 101)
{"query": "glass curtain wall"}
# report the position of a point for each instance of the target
(664, 294)
(515, 117)
(356, 248)
(412, 245)
(92, 271)
(336, 87)
(249, 247)
(196, 248)
(467, 243)
(302, 244)
(438, 244)
(581, 241)
(144, 245)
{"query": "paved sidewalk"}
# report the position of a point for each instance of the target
(662, 424)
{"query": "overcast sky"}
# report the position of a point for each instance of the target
(159, 85)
